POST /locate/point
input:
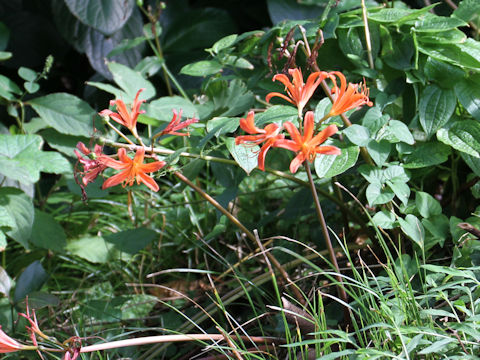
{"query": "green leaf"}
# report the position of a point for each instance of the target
(131, 81)
(445, 74)
(30, 280)
(473, 162)
(467, 10)
(463, 136)
(127, 44)
(468, 93)
(401, 190)
(373, 120)
(132, 241)
(31, 87)
(396, 173)
(94, 249)
(427, 154)
(66, 144)
(223, 125)
(427, 205)
(397, 16)
(20, 209)
(8, 88)
(245, 155)
(438, 346)
(465, 54)
(276, 114)
(435, 108)
(438, 226)
(453, 36)
(5, 55)
(21, 158)
(202, 68)
(106, 16)
(162, 108)
(372, 174)
(413, 228)
(384, 219)
(47, 232)
(27, 74)
(327, 166)
(65, 113)
(378, 194)
(379, 151)
(224, 43)
(231, 99)
(238, 62)
(395, 131)
(358, 134)
(434, 23)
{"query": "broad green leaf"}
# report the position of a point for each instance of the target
(30, 280)
(132, 241)
(106, 16)
(427, 154)
(202, 68)
(395, 131)
(434, 23)
(453, 36)
(47, 233)
(162, 108)
(444, 74)
(137, 306)
(358, 134)
(21, 158)
(127, 44)
(119, 94)
(378, 194)
(224, 43)
(401, 190)
(244, 154)
(396, 173)
(464, 54)
(327, 166)
(473, 162)
(379, 151)
(5, 282)
(238, 62)
(149, 66)
(276, 114)
(131, 82)
(8, 88)
(66, 113)
(6, 220)
(396, 15)
(384, 219)
(437, 347)
(467, 10)
(27, 74)
(438, 226)
(66, 144)
(372, 174)
(413, 228)
(323, 108)
(94, 249)
(435, 108)
(5, 55)
(231, 99)
(19, 208)
(427, 205)
(463, 136)
(374, 120)
(468, 93)
(222, 125)
(31, 87)
(3, 241)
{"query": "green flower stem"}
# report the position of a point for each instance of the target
(278, 173)
(367, 35)
(237, 223)
(117, 131)
(326, 235)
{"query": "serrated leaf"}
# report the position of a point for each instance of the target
(463, 136)
(31, 279)
(435, 108)
(413, 228)
(47, 232)
(427, 154)
(358, 134)
(378, 194)
(245, 155)
(131, 81)
(66, 113)
(21, 158)
(106, 16)
(327, 166)
(468, 93)
(20, 209)
(202, 68)
(427, 205)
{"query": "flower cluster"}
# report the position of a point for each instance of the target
(131, 170)
(304, 143)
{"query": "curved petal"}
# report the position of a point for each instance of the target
(271, 129)
(263, 153)
(147, 180)
(272, 94)
(112, 163)
(308, 126)
(256, 139)
(139, 155)
(248, 124)
(294, 133)
(323, 135)
(81, 146)
(296, 162)
(116, 179)
(123, 112)
(287, 144)
(297, 77)
(285, 81)
(122, 156)
(328, 150)
(151, 167)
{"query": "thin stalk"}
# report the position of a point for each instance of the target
(237, 223)
(367, 35)
(118, 131)
(326, 235)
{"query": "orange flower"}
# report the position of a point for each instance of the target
(269, 134)
(124, 117)
(91, 165)
(298, 92)
(132, 169)
(307, 146)
(347, 97)
(176, 124)
(7, 344)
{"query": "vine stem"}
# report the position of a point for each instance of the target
(326, 235)
(367, 35)
(237, 223)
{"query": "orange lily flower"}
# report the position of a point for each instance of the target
(269, 134)
(125, 117)
(347, 97)
(91, 165)
(298, 92)
(132, 169)
(7, 344)
(176, 124)
(307, 146)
